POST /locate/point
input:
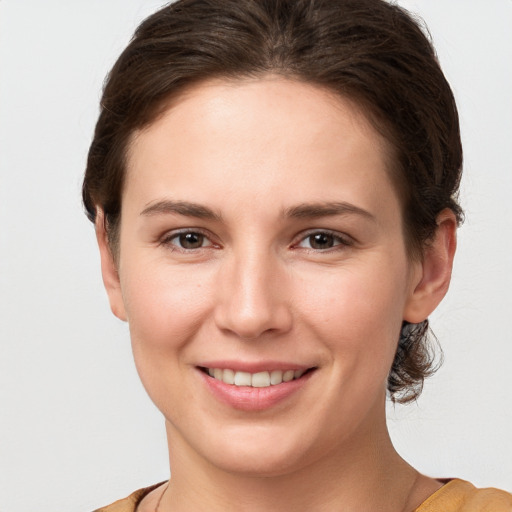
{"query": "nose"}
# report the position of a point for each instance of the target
(253, 298)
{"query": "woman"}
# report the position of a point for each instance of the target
(274, 189)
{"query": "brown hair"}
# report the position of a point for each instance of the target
(367, 50)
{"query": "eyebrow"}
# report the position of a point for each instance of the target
(185, 208)
(300, 211)
(316, 210)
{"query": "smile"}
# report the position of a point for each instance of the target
(256, 380)
(254, 387)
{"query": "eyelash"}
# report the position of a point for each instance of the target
(340, 241)
(167, 240)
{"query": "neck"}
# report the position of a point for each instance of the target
(363, 474)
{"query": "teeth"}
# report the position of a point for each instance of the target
(256, 380)
(288, 375)
(297, 374)
(260, 380)
(276, 377)
(243, 379)
(228, 376)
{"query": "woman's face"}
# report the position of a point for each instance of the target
(261, 235)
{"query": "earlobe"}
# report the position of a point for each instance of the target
(435, 270)
(109, 269)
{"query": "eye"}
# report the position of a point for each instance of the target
(187, 240)
(323, 240)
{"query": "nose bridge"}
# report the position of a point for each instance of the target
(252, 301)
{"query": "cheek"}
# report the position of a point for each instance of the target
(165, 311)
(164, 306)
(357, 312)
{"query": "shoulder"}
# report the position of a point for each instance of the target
(130, 503)
(461, 496)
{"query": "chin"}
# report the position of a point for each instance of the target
(259, 452)
(268, 464)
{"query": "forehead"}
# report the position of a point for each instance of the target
(267, 101)
(270, 137)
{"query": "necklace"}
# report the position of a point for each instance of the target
(157, 509)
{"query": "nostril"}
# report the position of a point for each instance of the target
(250, 303)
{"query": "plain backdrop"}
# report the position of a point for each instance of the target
(76, 428)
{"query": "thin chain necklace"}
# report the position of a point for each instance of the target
(157, 509)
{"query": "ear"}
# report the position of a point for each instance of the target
(109, 269)
(431, 281)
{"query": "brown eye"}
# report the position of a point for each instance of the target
(321, 241)
(186, 240)
(190, 240)
(324, 240)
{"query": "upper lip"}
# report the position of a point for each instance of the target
(255, 366)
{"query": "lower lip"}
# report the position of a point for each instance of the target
(247, 398)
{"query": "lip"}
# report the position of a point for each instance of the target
(253, 367)
(248, 398)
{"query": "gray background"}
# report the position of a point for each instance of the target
(76, 429)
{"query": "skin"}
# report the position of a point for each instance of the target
(257, 288)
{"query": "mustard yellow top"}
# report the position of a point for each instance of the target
(461, 496)
(455, 496)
